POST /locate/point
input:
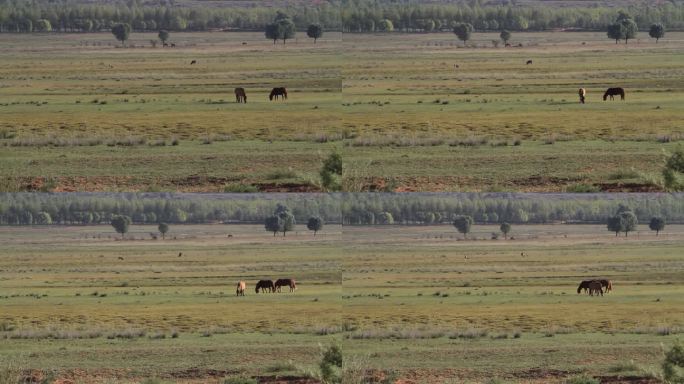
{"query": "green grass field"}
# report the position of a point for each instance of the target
(435, 308)
(75, 299)
(416, 303)
(75, 108)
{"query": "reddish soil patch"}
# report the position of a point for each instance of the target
(285, 380)
(629, 187)
(198, 373)
(541, 373)
(287, 187)
(627, 380)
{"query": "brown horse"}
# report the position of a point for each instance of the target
(279, 91)
(240, 290)
(584, 285)
(287, 283)
(607, 284)
(595, 287)
(582, 94)
(264, 285)
(240, 95)
(614, 92)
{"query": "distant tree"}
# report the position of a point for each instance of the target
(505, 36)
(163, 35)
(629, 221)
(657, 31)
(43, 25)
(463, 224)
(385, 25)
(273, 32)
(657, 224)
(385, 218)
(287, 219)
(615, 224)
(121, 224)
(315, 224)
(616, 31)
(505, 228)
(43, 218)
(121, 32)
(314, 31)
(630, 29)
(463, 31)
(286, 29)
(273, 224)
(163, 228)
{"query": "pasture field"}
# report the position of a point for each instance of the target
(433, 307)
(75, 301)
(75, 107)
(416, 116)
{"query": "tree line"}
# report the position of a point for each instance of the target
(348, 209)
(346, 16)
(425, 209)
(86, 209)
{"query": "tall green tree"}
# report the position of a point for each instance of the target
(314, 224)
(121, 31)
(121, 224)
(505, 36)
(163, 35)
(273, 224)
(657, 224)
(463, 223)
(163, 229)
(314, 31)
(505, 229)
(657, 31)
(463, 31)
(616, 31)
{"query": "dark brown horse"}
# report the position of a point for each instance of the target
(285, 283)
(607, 284)
(279, 91)
(614, 92)
(595, 287)
(240, 95)
(584, 285)
(264, 285)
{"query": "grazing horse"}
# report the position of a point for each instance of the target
(613, 92)
(582, 94)
(595, 287)
(607, 284)
(240, 290)
(528, 62)
(285, 282)
(240, 95)
(193, 62)
(584, 285)
(279, 91)
(264, 285)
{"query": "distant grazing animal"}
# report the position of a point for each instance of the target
(180, 254)
(240, 290)
(613, 92)
(584, 285)
(193, 62)
(230, 235)
(240, 95)
(279, 91)
(264, 285)
(595, 287)
(121, 258)
(166, 44)
(173, 45)
(529, 62)
(507, 45)
(607, 284)
(582, 93)
(456, 66)
(285, 283)
(244, 43)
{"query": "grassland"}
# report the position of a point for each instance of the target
(75, 108)
(75, 301)
(438, 308)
